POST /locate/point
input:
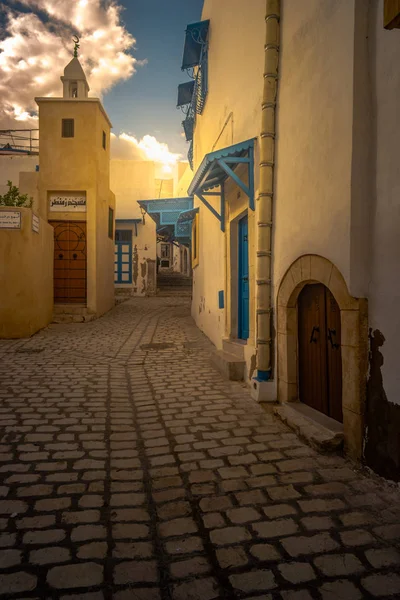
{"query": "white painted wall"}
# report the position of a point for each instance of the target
(312, 204)
(232, 114)
(384, 286)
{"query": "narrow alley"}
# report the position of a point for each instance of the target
(132, 470)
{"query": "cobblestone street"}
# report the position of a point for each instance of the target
(131, 470)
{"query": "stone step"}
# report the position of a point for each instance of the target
(320, 431)
(234, 347)
(70, 313)
(230, 366)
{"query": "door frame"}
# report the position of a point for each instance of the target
(312, 268)
(78, 222)
(232, 282)
(240, 328)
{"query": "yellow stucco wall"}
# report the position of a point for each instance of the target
(312, 204)
(232, 114)
(26, 277)
(81, 164)
(133, 180)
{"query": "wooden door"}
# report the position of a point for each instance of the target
(69, 262)
(320, 362)
(243, 316)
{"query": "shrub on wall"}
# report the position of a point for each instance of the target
(14, 198)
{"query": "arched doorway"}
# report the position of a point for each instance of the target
(320, 356)
(312, 270)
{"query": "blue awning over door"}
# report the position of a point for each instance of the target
(216, 167)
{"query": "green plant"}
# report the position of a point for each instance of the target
(14, 198)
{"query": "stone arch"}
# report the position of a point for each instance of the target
(354, 325)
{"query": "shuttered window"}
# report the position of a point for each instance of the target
(67, 128)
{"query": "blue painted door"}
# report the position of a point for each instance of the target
(243, 304)
(123, 257)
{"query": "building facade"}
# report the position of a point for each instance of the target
(74, 195)
(294, 139)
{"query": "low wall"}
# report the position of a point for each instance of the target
(26, 272)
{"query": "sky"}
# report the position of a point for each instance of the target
(131, 51)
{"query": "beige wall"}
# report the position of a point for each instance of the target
(144, 256)
(26, 277)
(11, 166)
(384, 285)
(131, 180)
(312, 207)
(134, 180)
(81, 164)
(232, 114)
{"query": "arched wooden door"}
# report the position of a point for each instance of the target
(320, 358)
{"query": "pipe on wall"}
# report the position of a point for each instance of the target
(265, 196)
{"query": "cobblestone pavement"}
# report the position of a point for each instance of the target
(131, 470)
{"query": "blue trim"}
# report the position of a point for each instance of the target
(214, 171)
(221, 301)
(263, 376)
(120, 254)
(165, 213)
(195, 38)
(188, 215)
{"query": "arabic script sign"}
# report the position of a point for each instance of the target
(68, 202)
(10, 219)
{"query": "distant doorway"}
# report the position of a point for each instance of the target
(243, 279)
(320, 358)
(123, 256)
(69, 262)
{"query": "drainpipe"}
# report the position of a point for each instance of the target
(265, 196)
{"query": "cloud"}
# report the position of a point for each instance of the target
(128, 147)
(36, 46)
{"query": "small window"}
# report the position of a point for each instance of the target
(74, 89)
(104, 140)
(67, 130)
(123, 235)
(110, 223)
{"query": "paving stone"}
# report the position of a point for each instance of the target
(144, 571)
(255, 580)
(383, 557)
(297, 572)
(265, 552)
(317, 523)
(198, 589)
(49, 555)
(52, 504)
(191, 567)
(338, 564)
(231, 557)
(83, 533)
(229, 535)
(133, 550)
(181, 526)
(388, 532)
(137, 594)
(75, 576)
(215, 503)
(357, 537)
(50, 536)
(15, 583)
(297, 546)
(9, 558)
(296, 595)
(382, 585)
(341, 588)
(276, 528)
(253, 497)
(243, 515)
(184, 546)
(92, 550)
